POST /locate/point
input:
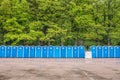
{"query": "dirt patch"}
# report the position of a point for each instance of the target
(4, 77)
(95, 76)
(42, 74)
(59, 69)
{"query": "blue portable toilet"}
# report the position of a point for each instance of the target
(81, 52)
(69, 52)
(8, 52)
(26, 52)
(44, 52)
(20, 51)
(50, 51)
(105, 52)
(93, 50)
(117, 51)
(63, 51)
(111, 51)
(99, 52)
(2, 52)
(57, 51)
(38, 52)
(32, 52)
(75, 52)
(14, 51)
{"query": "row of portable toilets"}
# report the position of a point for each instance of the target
(105, 51)
(58, 51)
(42, 52)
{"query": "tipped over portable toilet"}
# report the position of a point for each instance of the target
(88, 54)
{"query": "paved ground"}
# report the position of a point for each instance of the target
(59, 69)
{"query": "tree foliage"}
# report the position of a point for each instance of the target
(60, 22)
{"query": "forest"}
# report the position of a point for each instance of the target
(60, 22)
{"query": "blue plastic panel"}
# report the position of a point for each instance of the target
(32, 52)
(75, 52)
(57, 52)
(111, 52)
(20, 51)
(26, 52)
(38, 52)
(8, 52)
(99, 51)
(44, 52)
(50, 51)
(81, 52)
(63, 51)
(93, 50)
(14, 51)
(69, 52)
(117, 51)
(2, 51)
(105, 52)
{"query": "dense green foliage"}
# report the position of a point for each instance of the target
(60, 22)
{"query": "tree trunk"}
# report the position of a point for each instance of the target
(76, 41)
(41, 43)
(48, 42)
(3, 42)
(109, 19)
(62, 43)
(108, 37)
(98, 42)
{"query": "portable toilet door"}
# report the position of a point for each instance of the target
(81, 52)
(99, 51)
(8, 52)
(105, 52)
(38, 52)
(75, 52)
(26, 52)
(111, 52)
(50, 51)
(93, 50)
(2, 52)
(32, 52)
(14, 51)
(44, 52)
(20, 51)
(63, 51)
(57, 52)
(117, 51)
(69, 52)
